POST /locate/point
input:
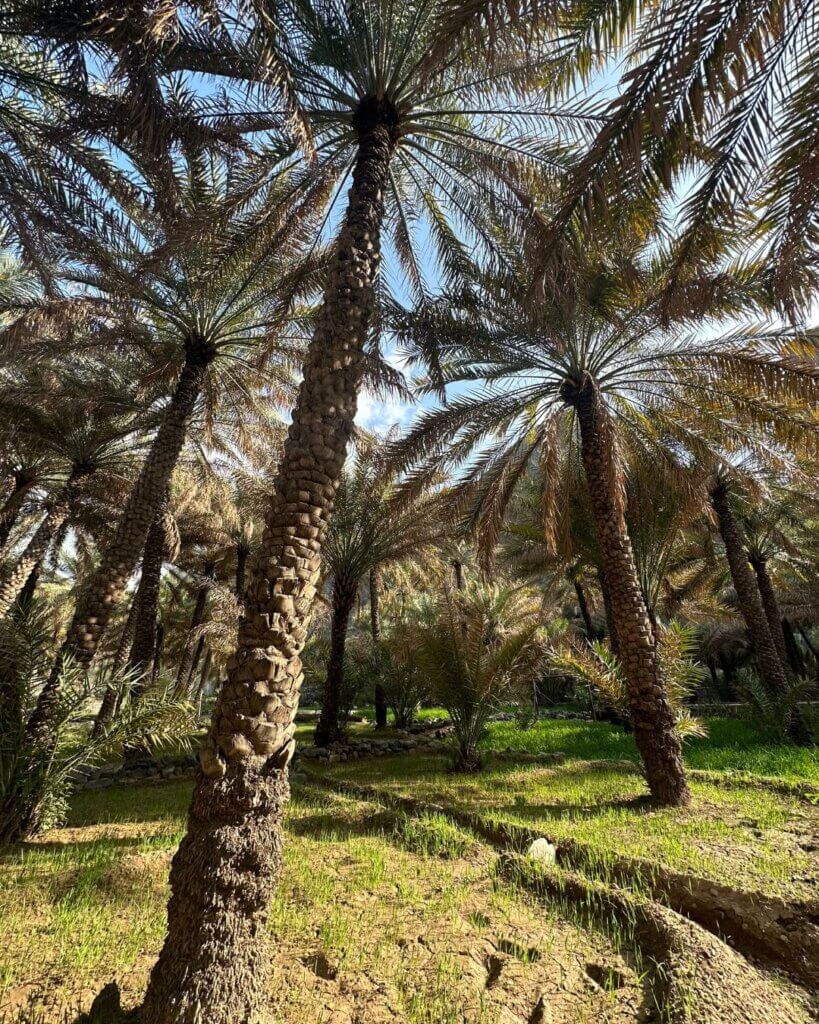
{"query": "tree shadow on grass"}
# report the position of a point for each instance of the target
(642, 804)
(326, 827)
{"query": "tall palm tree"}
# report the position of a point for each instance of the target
(609, 381)
(202, 305)
(80, 422)
(373, 91)
(751, 599)
(705, 83)
(371, 528)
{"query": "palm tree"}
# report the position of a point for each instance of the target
(371, 528)
(705, 82)
(476, 648)
(606, 379)
(772, 661)
(377, 91)
(75, 424)
(203, 305)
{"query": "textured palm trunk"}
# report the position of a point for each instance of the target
(37, 548)
(213, 965)
(99, 597)
(584, 608)
(143, 648)
(771, 665)
(23, 482)
(380, 695)
(110, 699)
(770, 605)
(651, 715)
(186, 662)
(604, 591)
(329, 728)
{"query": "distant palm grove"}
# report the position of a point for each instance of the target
(579, 240)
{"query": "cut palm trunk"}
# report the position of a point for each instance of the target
(651, 715)
(771, 664)
(329, 728)
(214, 964)
(101, 594)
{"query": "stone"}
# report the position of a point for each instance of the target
(543, 851)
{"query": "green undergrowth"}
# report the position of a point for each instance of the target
(365, 894)
(731, 745)
(752, 838)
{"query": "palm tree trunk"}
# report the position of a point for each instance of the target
(37, 548)
(651, 715)
(241, 567)
(23, 482)
(197, 618)
(102, 592)
(329, 728)
(110, 698)
(584, 608)
(197, 654)
(458, 573)
(159, 646)
(770, 604)
(771, 665)
(214, 965)
(143, 648)
(380, 695)
(604, 590)
(795, 659)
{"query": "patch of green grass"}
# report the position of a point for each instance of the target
(742, 836)
(434, 835)
(731, 745)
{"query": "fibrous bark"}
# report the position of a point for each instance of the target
(651, 715)
(329, 728)
(213, 965)
(771, 665)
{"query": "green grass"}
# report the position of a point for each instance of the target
(395, 911)
(731, 745)
(746, 837)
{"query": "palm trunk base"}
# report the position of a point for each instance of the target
(660, 749)
(467, 760)
(380, 707)
(222, 878)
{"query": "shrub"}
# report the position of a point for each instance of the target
(478, 649)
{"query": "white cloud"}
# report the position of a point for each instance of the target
(379, 415)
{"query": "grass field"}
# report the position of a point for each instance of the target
(731, 745)
(378, 918)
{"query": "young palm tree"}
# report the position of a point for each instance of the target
(477, 648)
(376, 93)
(610, 382)
(371, 528)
